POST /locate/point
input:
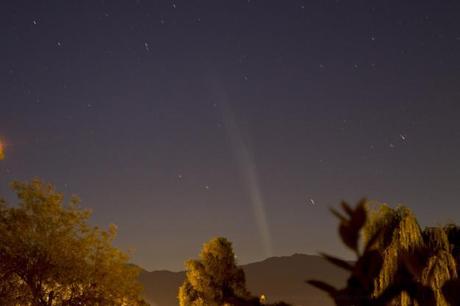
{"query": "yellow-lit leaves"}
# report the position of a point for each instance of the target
(399, 264)
(213, 279)
(54, 250)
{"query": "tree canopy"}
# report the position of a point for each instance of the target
(425, 253)
(49, 255)
(213, 279)
(399, 264)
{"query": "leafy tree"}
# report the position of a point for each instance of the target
(215, 280)
(426, 254)
(49, 255)
(400, 264)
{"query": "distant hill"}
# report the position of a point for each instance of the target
(279, 278)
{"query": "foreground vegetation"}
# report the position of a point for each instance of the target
(215, 279)
(51, 256)
(398, 263)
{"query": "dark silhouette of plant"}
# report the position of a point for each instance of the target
(360, 285)
(451, 291)
(453, 235)
(451, 288)
(398, 263)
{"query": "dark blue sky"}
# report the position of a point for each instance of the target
(184, 120)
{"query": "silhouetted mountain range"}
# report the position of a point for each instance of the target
(279, 278)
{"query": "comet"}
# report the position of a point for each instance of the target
(246, 163)
(245, 160)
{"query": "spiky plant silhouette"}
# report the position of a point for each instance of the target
(397, 264)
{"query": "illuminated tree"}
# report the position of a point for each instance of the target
(426, 254)
(399, 263)
(49, 255)
(214, 279)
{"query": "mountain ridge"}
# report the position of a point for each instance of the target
(278, 278)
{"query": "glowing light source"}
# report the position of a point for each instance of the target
(2, 151)
(262, 299)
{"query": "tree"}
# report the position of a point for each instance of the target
(213, 279)
(49, 255)
(426, 254)
(400, 264)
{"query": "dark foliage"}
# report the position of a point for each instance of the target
(424, 270)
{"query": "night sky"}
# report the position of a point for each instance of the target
(184, 120)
